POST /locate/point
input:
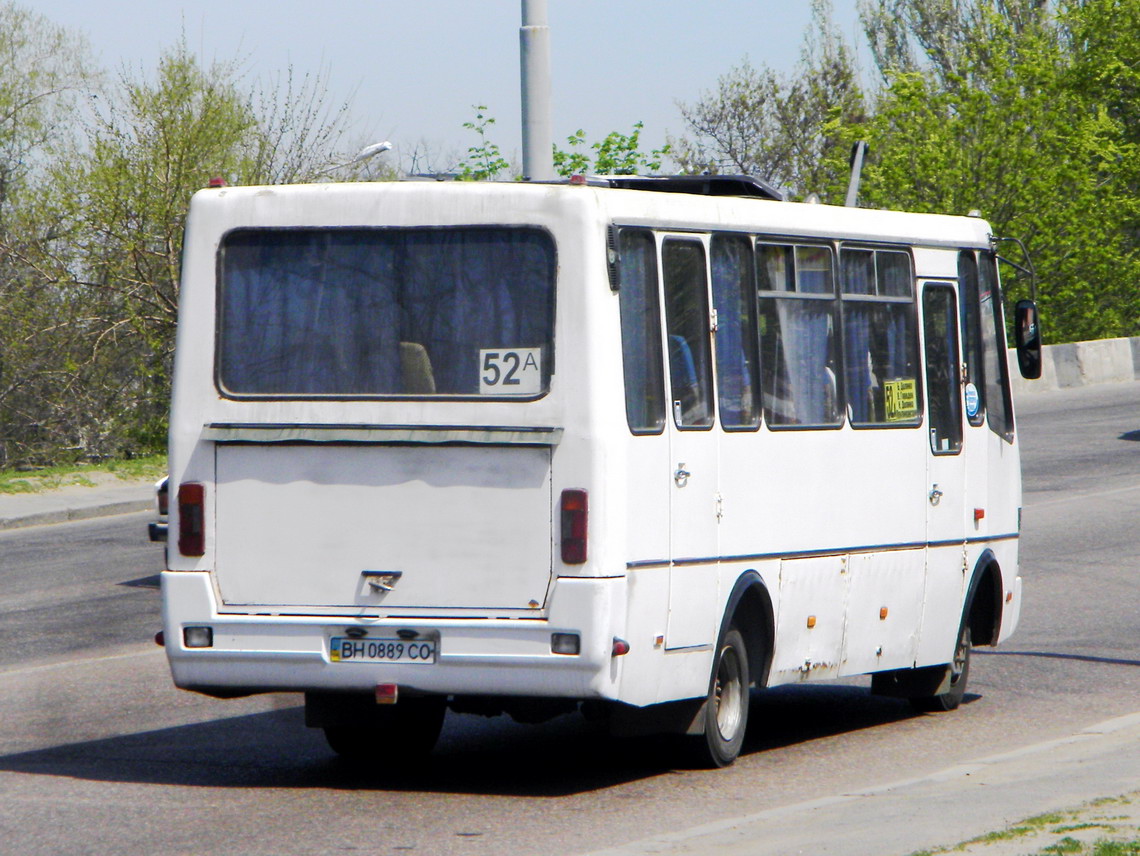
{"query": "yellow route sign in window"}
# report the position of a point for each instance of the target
(900, 397)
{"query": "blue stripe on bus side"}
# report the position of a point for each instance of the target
(812, 554)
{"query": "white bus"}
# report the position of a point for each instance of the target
(633, 446)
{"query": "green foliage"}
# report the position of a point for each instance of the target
(1002, 130)
(1027, 111)
(616, 154)
(28, 480)
(44, 70)
(793, 132)
(152, 145)
(95, 181)
(484, 160)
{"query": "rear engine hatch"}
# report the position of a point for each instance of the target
(404, 526)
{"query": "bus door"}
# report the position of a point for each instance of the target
(692, 445)
(946, 467)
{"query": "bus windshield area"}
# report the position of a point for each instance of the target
(355, 312)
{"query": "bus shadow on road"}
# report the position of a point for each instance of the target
(475, 755)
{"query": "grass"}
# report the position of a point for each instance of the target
(1116, 848)
(1091, 817)
(85, 475)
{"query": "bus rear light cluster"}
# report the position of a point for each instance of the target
(191, 519)
(574, 526)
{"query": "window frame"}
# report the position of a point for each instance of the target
(749, 330)
(914, 342)
(774, 296)
(954, 383)
(549, 348)
(702, 357)
(654, 352)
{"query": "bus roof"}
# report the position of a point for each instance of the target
(698, 203)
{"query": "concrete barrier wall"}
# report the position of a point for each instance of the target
(1080, 364)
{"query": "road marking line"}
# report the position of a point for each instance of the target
(79, 661)
(1082, 496)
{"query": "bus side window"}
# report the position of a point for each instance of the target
(734, 298)
(798, 355)
(641, 333)
(998, 394)
(880, 337)
(970, 311)
(687, 323)
(944, 403)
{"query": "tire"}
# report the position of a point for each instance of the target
(959, 676)
(397, 735)
(725, 712)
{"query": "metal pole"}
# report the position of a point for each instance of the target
(534, 60)
(858, 154)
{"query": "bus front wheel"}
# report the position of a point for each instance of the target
(959, 675)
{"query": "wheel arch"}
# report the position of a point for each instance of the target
(984, 600)
(749, 609)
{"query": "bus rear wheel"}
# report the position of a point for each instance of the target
(725, 714)
(394, 735)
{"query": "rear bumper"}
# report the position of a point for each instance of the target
(477, 656)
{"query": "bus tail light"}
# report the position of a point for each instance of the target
(574, 519)
(191, 519)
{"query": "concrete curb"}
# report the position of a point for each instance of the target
(1081, 364)
(67, 515)
(70, 504)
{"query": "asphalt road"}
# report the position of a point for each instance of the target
(100, 754)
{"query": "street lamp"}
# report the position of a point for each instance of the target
(366, 153)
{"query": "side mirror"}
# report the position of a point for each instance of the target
(1027, 339)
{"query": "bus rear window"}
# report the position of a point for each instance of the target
(386, 312)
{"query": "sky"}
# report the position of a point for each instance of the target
(414, 69)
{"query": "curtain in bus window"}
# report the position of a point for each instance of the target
(880, 337)
(880, 362)
(298, 316)
(642, 368)
(736, 353)
(863, 388)
(373, 312)
(798, 361)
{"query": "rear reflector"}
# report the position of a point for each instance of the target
(565, 643)
(574, 519)
(198, 637)
(191, 519)
(387, 693)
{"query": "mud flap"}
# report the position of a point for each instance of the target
(912, 683)
(671, 717)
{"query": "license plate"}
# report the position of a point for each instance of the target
(344, 649)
